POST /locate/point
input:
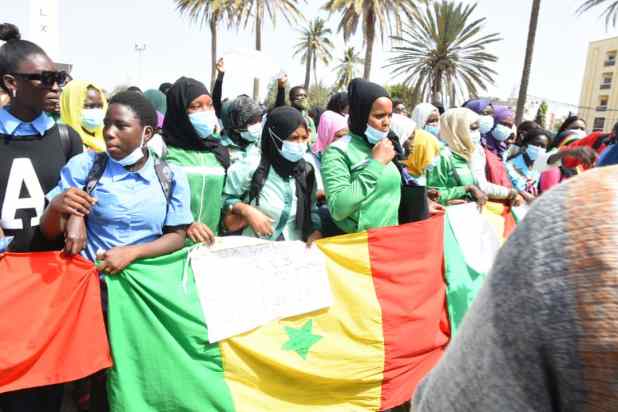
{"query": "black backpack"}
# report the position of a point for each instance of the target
(162, 169)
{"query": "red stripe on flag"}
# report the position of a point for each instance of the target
(407, 268)
(51, 328)
(509, 222)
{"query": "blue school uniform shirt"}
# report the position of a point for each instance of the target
(131, 208)
(522, 177)
(13, 126)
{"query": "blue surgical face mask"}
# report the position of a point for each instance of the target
(205, 123)
(375, 135)
(290, 151)
(475, 136)
(486, 123)
(252, 133)
(432, 128)
(133, 157)
(92, 119)
(534, 152)
(501, 132)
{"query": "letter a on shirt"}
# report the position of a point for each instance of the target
(22, 174)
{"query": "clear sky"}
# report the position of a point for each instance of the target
(98, 37)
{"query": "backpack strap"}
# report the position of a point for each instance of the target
(65, 140)
(95, 173)
(165, 176)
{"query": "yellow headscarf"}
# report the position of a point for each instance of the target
(424, 148)
(71, 106)
(455, 131)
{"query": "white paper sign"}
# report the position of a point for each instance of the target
(476, 237)
(244, 283)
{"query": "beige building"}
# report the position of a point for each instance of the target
(599, 94)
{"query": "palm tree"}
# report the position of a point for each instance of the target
(210, 12)
(442, 53)
(610, 12)
(372, 14)
(525, 77)
(314, 45)
(347, 69)
(256, 10)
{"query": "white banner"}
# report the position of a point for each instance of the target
(244, 283)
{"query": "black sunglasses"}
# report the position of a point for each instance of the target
(46, 77)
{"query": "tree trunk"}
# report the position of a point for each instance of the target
(525, 77)
(308, 70)
(315, 69)
(370, 37)
(213, 51)
(258, 47)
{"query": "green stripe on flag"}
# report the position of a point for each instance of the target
(162, 359)
(462, 282)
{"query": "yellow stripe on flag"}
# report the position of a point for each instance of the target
(333, 357)
(493, 212)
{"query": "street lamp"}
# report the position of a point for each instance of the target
(140, 48)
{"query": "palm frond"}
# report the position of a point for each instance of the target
(442, 51)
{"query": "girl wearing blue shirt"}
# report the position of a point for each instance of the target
(524, 177)
(129, 215)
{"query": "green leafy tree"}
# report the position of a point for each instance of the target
(348, 68)
(541, 115)
(376, 17)
(255, 11)
(211, 12)
(404, 93)
(318, 95)
(314, 45)
(441, 52)
(610, 13)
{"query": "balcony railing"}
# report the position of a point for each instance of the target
(606, 86)
(611, 62)
(602, 108)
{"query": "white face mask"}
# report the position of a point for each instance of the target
(374, 135)
(252, 133)
(475, 136)
(133, 157)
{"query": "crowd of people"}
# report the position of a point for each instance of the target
(142, 174)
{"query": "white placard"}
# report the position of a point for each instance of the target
(244, 283)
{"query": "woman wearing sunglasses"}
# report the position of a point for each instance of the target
(33, 153)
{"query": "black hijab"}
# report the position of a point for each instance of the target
(282, 121)
(177, 128)
(361, 95)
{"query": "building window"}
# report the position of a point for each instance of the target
(603, 100)
(611, 58)
(606, 82)
(599, 124)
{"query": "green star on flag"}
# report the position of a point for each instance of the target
(301, 339)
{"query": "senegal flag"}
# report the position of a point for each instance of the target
(471, 241)
(386, 328)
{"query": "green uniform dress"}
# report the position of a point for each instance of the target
(236, 152)
(361, 192)
(206, 178)
(451, 176)
(277, 198)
